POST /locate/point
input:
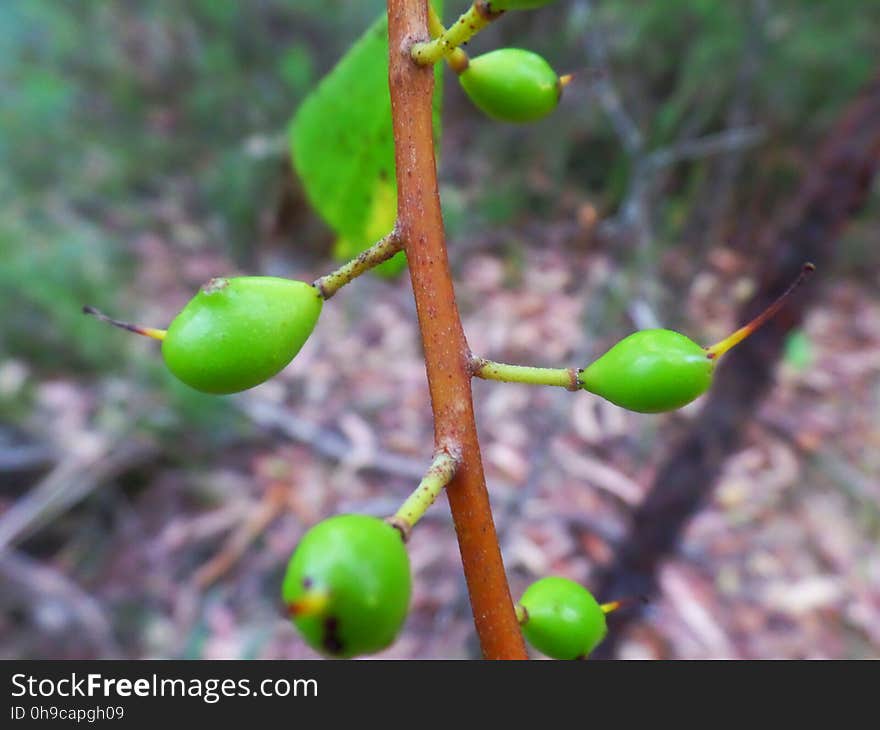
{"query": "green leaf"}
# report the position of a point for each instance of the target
(342, 147)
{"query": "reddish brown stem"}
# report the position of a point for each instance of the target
(447, 356)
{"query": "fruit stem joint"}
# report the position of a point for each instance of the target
(439, 474)
(471, 22)
(376, 254)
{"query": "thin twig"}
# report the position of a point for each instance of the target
(25, 457)
(257, 521)
(37, 583)
(73, 479)
(327, 443)
(730, 140)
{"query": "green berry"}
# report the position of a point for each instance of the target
(237, 333)
(499, 5)
(651, 371)
(512, 85)
(660, 370)
(562, 619)
(348, 585)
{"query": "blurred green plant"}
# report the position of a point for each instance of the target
(105, 108)
(811, 57)
(49, 269)
(798, 350)
(342, 147)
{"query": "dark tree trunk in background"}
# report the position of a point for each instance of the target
(832, 193)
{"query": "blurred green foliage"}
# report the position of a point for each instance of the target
(798, 350)
(680, 67)
(810, 57)
(109, 111)
(106, 105)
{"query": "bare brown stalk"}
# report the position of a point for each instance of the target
(447, 356)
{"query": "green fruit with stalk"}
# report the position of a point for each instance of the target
(561, 619)
(657, 370)
(650, 371)
(236, 332)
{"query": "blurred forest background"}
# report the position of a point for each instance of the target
(143, 151)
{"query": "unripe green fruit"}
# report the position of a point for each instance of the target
(512, 85)
(237, 333)
(661, 370)
(563, 620)
(498, 5)
(651, 371)
(347, 585)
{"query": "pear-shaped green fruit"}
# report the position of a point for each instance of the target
(650, 371)
(347, 585)
(499, 5)
(512, 85)
(562, 619)
(237, 333)
(660, 370)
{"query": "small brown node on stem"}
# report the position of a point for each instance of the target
(322, 292)
(401, 525)
(484, 8)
